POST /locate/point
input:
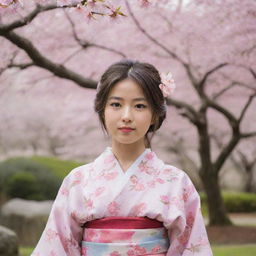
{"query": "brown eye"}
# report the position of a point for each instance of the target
(115, 104)
(140, 106)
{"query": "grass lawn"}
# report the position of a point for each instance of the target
(234, 250)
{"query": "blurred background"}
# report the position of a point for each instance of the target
(52, 55)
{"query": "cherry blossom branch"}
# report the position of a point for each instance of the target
(172, 54)
(230, 117)
(202, 83)
(41, 61)
(221, 92)
(85, 44)
(246, 106)
(190, 113)
(27, 19)
(248, 134)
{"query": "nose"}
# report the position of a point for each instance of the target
(126, 114)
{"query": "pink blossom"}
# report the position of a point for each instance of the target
(110, 175)
(90, 235)
(183, 238)
(64, 191)
(139, 187)
(164, 199)
(99, 191)
(139, 209)
(143, 166)
(84, 251)
(161, 181)
(109, 159)
(134, 179)
(144, 3)
(115, 253)
(151, 183)
(167, 86)
(113, 208)
(156, 249)
(51, 234)
(52, 253)
(190, 219)
(88, 203)
(149, 155)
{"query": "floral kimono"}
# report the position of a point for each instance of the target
(101, 189)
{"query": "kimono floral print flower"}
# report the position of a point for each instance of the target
(87, 193)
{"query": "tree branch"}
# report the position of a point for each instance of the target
(226, 151)
(21, 65)
(27, 19)
(172, 54)
(85, 44)
(218, 94)
(189, 113)
(248, 135)
(40, 61)
(202, 83)
(230, 117)
(249, 101)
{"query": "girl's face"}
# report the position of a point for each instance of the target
(127, 107)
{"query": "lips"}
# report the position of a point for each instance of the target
(126, 129)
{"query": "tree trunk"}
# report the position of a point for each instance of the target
(216, 208)
(248, 186)
(209, 176)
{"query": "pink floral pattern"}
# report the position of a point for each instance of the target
(113, 208)
(101, 189)
(139, 209)
(125, 241)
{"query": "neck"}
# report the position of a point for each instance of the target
(127, 153)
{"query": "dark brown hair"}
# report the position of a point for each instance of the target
(146, 76)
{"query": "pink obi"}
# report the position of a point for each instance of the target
(119, 236)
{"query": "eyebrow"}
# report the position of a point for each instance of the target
(120, 98)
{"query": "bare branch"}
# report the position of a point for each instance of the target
(21, 65)
(248, 135)
(231, 118)
(249, 101)
(253, 72)
(218, 94)
(226, 151)
(27, 19)
(85, 44)
(189, 111)
(41, 61)
(202, 83)
(172, 54)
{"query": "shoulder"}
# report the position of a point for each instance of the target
(78, 173)
(180, 176)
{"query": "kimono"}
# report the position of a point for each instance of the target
(149, 188)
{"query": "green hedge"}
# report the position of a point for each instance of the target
(36, 178)
(235, 201)
(26, 179)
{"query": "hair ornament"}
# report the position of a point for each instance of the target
(167, 85)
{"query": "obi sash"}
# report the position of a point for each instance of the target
(119, 236)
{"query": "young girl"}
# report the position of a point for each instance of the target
(127, 201)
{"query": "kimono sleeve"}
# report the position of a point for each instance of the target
(62, 234)
(188, 234)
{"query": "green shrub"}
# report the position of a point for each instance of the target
(235, 201)
(23, 185)
(58, 167)
(27, 179)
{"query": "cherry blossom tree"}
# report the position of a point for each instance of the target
(208, 45)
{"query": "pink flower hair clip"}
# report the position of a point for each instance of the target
(167, 85)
